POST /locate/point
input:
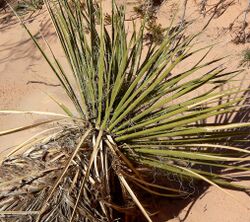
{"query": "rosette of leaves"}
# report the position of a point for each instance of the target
(136, 114)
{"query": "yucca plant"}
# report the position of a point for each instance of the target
(135, 114)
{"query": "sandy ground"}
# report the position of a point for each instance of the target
(20, 62)
(21, 65)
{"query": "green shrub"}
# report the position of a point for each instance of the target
(245, 61)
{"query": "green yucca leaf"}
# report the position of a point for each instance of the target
(176, 110)
(189, 155)
(187, 146)
(205, 137)
(196, 174)
(179, 122)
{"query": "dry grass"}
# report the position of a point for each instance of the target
(26, 181)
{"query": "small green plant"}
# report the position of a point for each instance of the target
(134, 113)
(25, 6)
(245, 61)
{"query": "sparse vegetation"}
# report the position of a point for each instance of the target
(239, 27)
(155, 32)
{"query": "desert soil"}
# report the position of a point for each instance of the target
(26, 80)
